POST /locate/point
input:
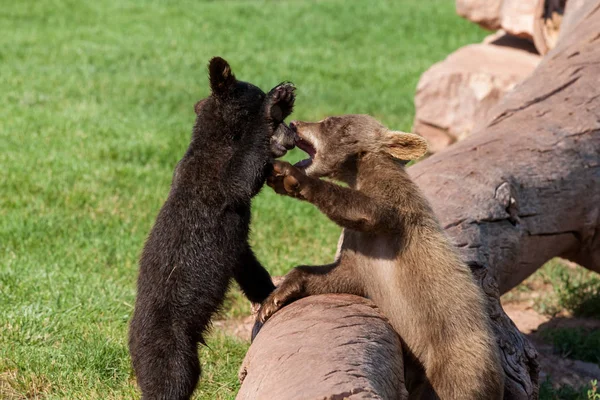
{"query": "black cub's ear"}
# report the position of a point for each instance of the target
(221, 77)
(198, 106)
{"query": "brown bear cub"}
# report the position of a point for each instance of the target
(393, 251)
(200, 238)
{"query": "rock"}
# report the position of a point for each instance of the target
(516, 17)
(501, 38)
(483, 12)
(455, 94)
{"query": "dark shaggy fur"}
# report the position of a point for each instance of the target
(200, 238)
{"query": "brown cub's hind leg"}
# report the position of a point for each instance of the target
(450, 369)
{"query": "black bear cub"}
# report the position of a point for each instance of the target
(200, 238)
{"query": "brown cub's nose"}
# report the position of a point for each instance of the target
(294, 125)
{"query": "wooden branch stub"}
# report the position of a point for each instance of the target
(549, 21)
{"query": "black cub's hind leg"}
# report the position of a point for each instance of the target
(167, 366)
(254, 280)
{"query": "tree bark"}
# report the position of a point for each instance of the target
(526, 187)
(522, 189)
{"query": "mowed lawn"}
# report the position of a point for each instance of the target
(97, 108)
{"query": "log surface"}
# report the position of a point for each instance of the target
(522, 189)
(324, 347)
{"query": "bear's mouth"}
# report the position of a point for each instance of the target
(304, 144)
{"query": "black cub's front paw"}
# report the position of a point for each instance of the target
(282, 140)
(281, 101)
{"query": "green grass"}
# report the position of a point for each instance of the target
(548, 392)
(586, 392)
(578, 343)
(581, 297)
(97, 109)
(561, 288)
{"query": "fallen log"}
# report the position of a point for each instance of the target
(523, 189)
(526, 187)
(325, 347)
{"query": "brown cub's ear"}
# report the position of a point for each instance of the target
(404, 146)
(220, 75)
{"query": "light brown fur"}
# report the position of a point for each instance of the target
(393, 251)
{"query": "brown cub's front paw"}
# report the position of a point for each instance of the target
(287, 292)
(288, 180)
(281, 101)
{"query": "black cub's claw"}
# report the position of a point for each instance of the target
(255, 329)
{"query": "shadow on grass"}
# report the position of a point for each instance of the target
(569, 354)
(581, 298)
(567, 297)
